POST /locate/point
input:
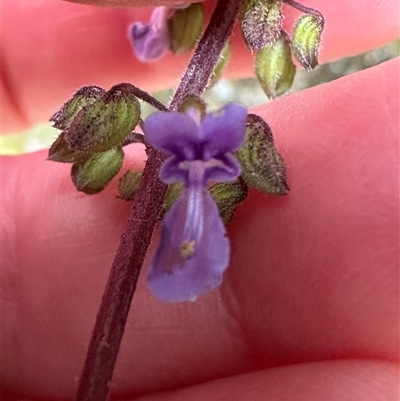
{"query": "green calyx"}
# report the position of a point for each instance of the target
(227, 195)
(106, 122)
(129, 184)
(275, 69)
(84, 97)
(306, 39)
(262, 166)
(95, 173)
(185, 28)
(261, 22)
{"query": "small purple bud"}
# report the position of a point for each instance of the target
(151, 41)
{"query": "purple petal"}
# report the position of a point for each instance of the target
(224, 169)
(149, 43)
(175, 133)
(171, 171)
(193, 251)
(224, 130)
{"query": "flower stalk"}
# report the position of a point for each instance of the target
(107, 334)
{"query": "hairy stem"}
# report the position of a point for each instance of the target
(146, 97)
(303, 9)
(111, 318)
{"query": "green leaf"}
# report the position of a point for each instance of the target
(261, 22)
(85, 96)
(275, 69)
(107, 122)
(185, 28)
(94, 174)
(262, 165)
(227, 195)
(306, 39)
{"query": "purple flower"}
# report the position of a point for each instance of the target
(151, 41)
(194, 250)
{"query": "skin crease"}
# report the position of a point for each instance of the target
(309, 306)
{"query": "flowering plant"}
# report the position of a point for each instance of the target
(194, 251)
(214, 156)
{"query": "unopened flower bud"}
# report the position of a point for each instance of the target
(94, 174)
(275, 69)
(306, 39)
(261, 22)
(185, 28)
(227, 196)
(106, 123)
(151, 41)
(262, 165)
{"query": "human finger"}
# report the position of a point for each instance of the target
(76, 45)
(313, 275)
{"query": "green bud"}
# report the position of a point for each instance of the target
(185, 28)
(171, 196)
(262, 165)
(261, 22)
(306, 39)
(94, 174)
(85, 96)
(107, 122)
(275, 69)
(223, 61)
(193, 102)
(61, 152)
(129, 184)
(227, 195)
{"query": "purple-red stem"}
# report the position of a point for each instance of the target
(107, 334)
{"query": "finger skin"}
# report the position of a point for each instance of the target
(313, 276)
(75, 45)
(349, 380)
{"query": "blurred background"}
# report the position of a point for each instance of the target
(245, 91)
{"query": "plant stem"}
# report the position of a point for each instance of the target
(111, 318)
(304, 9)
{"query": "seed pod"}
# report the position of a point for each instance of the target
(262, 166)
(185, 28)
(227, 195)
(261, 22)
(275, 69)
(129, 184)
(306, 39)
(85, 96)
(94, 174)
(106, 123)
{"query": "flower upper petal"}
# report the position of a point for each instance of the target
(224, 130)
(182, 268)
(226, 168)
(172, 132)
(171, 171)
